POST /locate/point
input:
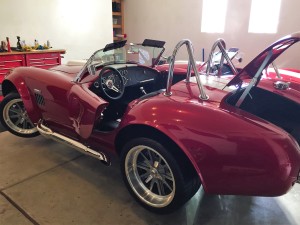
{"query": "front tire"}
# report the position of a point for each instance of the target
(154, 178)
(14, 117)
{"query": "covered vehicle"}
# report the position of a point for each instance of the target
(238, 136)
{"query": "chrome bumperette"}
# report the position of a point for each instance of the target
(48, 133)
(191, 65)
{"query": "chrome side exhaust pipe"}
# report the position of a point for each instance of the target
(48, 133)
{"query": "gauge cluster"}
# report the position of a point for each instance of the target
(124, 74)
(131, 75)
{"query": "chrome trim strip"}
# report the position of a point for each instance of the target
(37, 91)
(144, 81)
(48, 133)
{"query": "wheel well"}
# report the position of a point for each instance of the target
(137, 131)
(8, 87)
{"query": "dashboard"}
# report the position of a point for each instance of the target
(132, 75)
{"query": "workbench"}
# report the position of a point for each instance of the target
(37, 58)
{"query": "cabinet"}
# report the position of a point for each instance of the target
(41, 58)
(10, 61)
(118, 20)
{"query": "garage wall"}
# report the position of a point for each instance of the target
(172, 21)
(79, 26)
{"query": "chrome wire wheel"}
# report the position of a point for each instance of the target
(150, 176)
(16, 118)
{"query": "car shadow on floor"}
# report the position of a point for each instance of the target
(1, 127)
(96, 190)
(201, 209)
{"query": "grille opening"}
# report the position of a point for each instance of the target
(39, 99)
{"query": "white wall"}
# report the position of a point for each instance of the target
(79, 26)
(172, 21)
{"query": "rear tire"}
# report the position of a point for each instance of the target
(14, 117)
(154, 178)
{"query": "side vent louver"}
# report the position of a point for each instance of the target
(39, 97)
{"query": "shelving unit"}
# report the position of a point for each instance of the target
(118, 19)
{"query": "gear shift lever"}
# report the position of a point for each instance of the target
(143, 90)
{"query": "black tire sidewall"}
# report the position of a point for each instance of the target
(5, 101)
(179, 198)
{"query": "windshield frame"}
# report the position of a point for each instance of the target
(90, 66)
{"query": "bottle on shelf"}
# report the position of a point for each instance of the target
(8, 45)
(19, 46)
(121, 35)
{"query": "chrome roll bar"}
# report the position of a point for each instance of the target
(220, 43)
(191, 65)
(276, 70)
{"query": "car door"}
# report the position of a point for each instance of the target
(85, 108)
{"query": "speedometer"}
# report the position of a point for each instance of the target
(124, 73)
(125, 79)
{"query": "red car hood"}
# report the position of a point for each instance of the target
(267, 56)
(67, 69)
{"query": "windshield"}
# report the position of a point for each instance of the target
(146, 54)
(132, 53)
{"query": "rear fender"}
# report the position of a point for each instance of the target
(140, 116)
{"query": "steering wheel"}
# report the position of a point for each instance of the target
(112, 84)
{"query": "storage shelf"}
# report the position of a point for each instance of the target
(116, 13)
(117, 26)
(118, 18)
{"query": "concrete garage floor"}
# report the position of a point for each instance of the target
(43, 182)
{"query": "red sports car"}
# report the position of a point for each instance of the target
(238, 136)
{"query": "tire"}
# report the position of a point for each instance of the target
(154, 178)
(14, 118)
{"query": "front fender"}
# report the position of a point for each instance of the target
(16, 82)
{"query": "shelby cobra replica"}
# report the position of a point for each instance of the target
(172, 133)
